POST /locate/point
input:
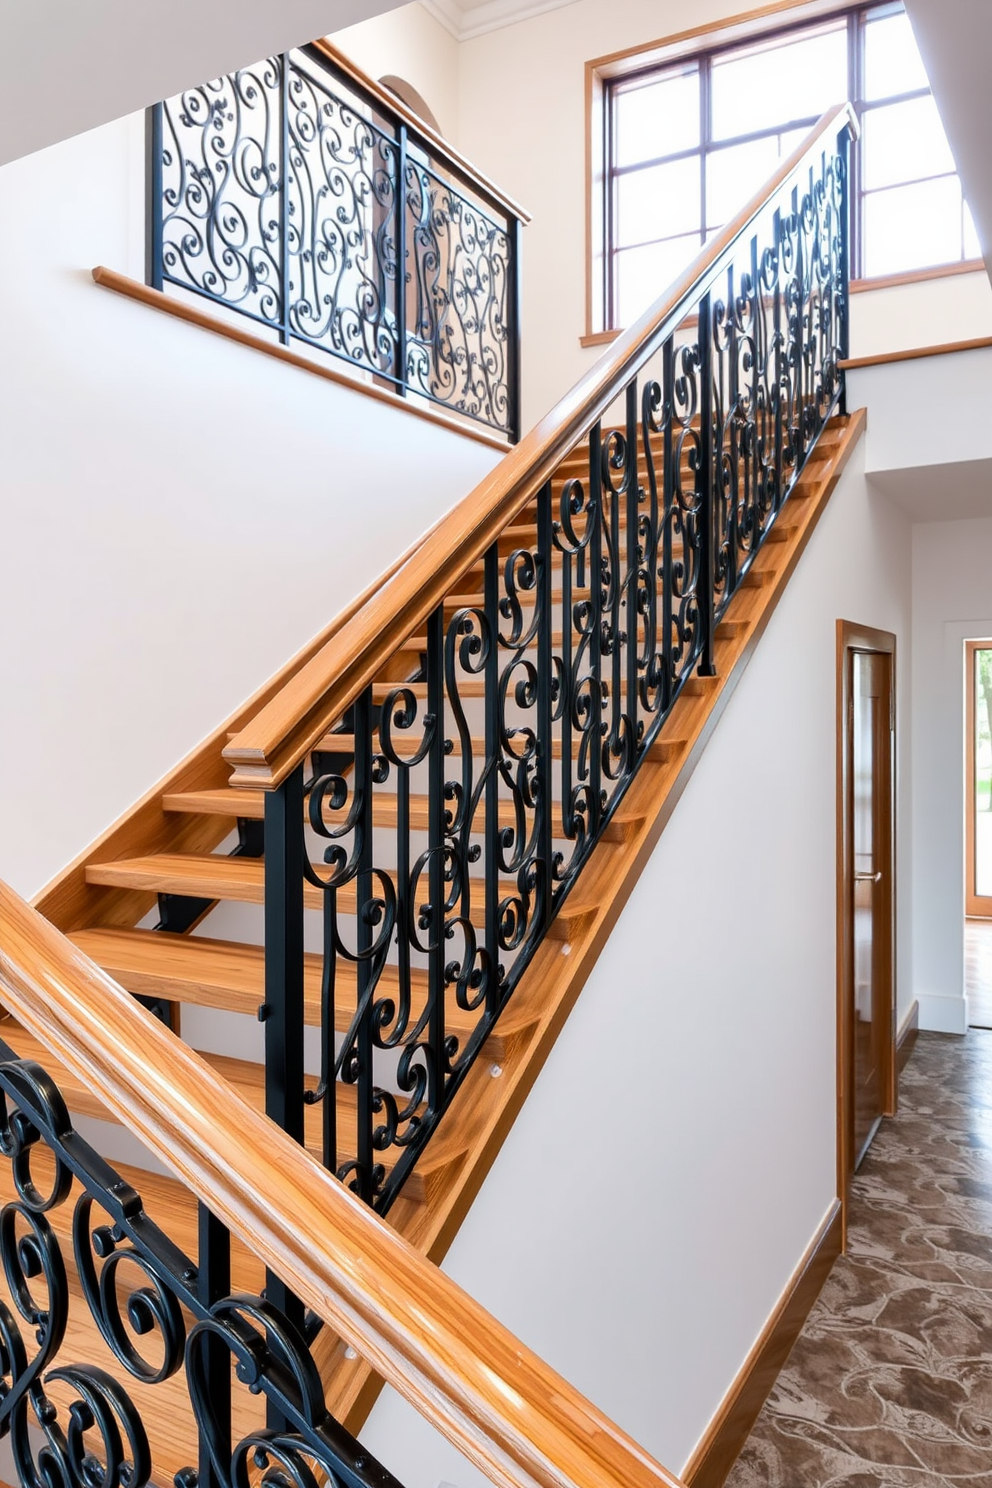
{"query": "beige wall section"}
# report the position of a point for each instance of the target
(411, 44)
(931, 313)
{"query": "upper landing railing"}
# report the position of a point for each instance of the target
(558, 613)
(306, 197)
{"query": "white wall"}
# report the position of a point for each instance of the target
(677, 1153)
(179, 514)
(410, 43)
(952, 603)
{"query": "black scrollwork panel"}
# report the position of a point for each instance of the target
(342, 238)
(458, 268)
(276, 192)
(221, 185)
(105, 1335)
(452, 809)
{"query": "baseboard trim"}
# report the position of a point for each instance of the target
(909, 1032)
(718, 1448)
(942, 1014)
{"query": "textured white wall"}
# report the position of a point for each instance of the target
(677, 1153)
(178, 514)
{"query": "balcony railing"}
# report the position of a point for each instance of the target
(304, 197)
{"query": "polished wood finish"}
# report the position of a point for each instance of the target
(284, 731)
(947, 348)
(975, 904)
(850, 638)
(132, 289)
(720, 1445)
(909, 1032)
(495, 1401)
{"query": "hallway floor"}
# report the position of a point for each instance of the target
(890, 1383)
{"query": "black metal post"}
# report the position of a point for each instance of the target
(213, 1284)
(435, 869)
(513, 329)
(401, 252)
(365, 935)
(492, 746)
(706, 489)
(153, 195)
(545, 764)
(843, 339)
(284, 149)
(283, 1008)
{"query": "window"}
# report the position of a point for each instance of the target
(687, 144)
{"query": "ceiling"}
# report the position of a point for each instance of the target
(468, 18)
(68, 65)
(955, 38)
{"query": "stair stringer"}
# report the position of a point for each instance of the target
(487, 1104)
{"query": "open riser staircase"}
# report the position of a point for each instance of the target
(395, 867)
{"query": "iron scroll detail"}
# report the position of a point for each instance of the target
(80, 1423)
(286, 193)
(449, 815)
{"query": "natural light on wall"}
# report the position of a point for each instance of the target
(689, 144)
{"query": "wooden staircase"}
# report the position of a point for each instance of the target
(177, 842)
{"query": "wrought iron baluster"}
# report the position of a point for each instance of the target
(514, 321)
(401, 257)
(666, 517)
(633, 576)
(153, 194)
(285, 333)
(545, 764)
(285, 849)
(705, 483)
(842, 336)
(213, 1283)
(437, 848)
(493, 969)
(596, 704)
(363, 1051)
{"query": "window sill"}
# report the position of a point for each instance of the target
(858, 286)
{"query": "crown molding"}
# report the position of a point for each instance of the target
(492, 15)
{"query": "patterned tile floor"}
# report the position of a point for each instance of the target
(890, 1382)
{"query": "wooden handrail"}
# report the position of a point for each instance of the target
(284, 731)
(440, 148)
(497, 1402)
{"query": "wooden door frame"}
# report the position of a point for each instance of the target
(976, 906)
(852, 637)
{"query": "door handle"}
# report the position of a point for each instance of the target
(868, 877)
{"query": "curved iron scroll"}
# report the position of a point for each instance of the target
(449, 816)
(79, 1421)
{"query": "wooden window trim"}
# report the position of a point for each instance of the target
(742, 27)
(861, 286)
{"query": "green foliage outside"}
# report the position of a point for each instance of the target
(983, 730)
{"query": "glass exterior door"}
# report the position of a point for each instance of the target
(978, 803)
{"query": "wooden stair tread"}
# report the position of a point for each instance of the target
(248, 1080)
(250, 804)
(242, 881)
(231, 976)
